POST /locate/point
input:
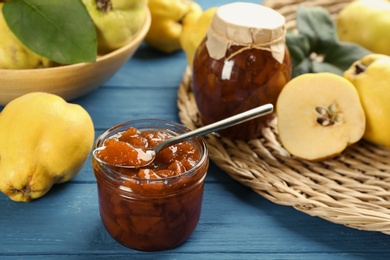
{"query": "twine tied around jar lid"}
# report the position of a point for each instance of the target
(249, 25)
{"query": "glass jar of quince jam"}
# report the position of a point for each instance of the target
(242, 63)
(155, 207)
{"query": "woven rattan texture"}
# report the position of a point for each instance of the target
(288, 7)
(352, 189)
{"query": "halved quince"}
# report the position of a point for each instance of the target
(319, 115)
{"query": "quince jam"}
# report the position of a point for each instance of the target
(127, 149)
(155, 207)
(241, 64)
(256, 79)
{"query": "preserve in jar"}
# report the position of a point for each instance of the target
(242, 63)
(155, 207)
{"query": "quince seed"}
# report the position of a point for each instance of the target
(321, 110)
(328, 116)
(338, 118)
(325, 122)
(332, 108)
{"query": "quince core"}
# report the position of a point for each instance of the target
(319, 115)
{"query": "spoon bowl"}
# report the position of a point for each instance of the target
(147, 155)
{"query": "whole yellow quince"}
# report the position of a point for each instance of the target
(367, 23)
(195, 26)
(43, 140)
(166, 26)
(116, 21)
(13, 54)
(371, 77)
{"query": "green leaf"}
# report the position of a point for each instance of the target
(305, 66)
(317, 35)
(326, 67)
(343, 54)
(317, 24)
(60, 30)
(298, 46)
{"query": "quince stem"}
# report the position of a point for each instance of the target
(360, 68)
(104, 6)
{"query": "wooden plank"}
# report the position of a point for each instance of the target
(234, 221)
(150, 68)
(111, 106)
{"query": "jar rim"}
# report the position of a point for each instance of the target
(150, 124)
(248, 25)
(249, 15)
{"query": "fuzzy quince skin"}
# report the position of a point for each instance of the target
(43, 140)
(367, 23)
(319, 115)
(371, 77)
(166, 27)
(195, 26)
(116, 21)
(13, 54)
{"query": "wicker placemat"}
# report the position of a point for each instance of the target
(352, 189)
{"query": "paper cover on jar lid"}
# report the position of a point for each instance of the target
(248, 25)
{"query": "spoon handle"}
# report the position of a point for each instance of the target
(219, 125)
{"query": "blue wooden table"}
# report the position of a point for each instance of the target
(236, 223)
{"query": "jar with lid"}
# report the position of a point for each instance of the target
(242, 63)
(151, 213)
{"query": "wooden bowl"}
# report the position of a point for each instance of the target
(69, 81)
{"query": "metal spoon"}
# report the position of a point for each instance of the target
(149, 154)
